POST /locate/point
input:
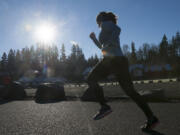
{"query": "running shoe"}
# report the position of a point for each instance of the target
(104, 111)
(150, 124)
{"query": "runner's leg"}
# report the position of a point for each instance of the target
(99, 72)
(124, 78)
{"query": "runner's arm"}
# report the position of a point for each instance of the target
(94, 39)
(97, 43)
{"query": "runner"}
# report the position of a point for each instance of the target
(114, 62)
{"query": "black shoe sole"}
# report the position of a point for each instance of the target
(104, 115)
(151, 128)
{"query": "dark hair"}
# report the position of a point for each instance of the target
(106, 16)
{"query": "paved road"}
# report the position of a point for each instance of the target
(75, 118)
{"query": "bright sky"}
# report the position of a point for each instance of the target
(70, 21)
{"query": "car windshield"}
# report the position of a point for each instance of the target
(89, 67)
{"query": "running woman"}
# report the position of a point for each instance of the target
(114, 62)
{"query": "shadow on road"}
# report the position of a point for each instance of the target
(5, 101)
(75, 98)
(49, 101)
(67, 98)
(153, 132)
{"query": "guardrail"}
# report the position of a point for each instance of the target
(134, 82)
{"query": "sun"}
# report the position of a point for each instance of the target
(45, 33)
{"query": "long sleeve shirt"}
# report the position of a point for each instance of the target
(109, 39)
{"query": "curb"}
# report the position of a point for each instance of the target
(134, 82)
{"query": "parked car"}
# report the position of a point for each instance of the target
(5, 78)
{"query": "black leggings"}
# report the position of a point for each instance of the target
(119, 67)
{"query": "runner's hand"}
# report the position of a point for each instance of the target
(92, 36)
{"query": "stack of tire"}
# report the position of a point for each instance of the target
(50, 92)
(13, 91)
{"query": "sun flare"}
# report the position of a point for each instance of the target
(45, 33)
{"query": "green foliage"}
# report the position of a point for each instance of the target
(22, 62)
(71, 67)
(167, 52)
(62, 53)
(4, 62)
(76, 64)
(133, 58)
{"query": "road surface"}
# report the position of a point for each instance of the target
(75, 118)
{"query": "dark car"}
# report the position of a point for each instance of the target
(5, 78)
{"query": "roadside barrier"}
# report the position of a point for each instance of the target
(50, 91)
(13, 91)
(72, 85)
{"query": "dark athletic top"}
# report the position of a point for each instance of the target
(109, 42)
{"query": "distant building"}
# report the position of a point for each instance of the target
(139, 71)
(158, 68)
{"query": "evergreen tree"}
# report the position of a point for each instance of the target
(133, 58)
(163, 49)
(4, 62)
(18, 64)
(140, 55)
(54, 55)
(76, 64)
(153, 55)
(146, 48)
(35, 60)
(176, 59)
(62, 54)
(73, 52)
(55, 60)
(96, 59)
(173, 48)
(92, 61)
(18, 56)
(11, 65)
(125, 50)
(177, 43)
